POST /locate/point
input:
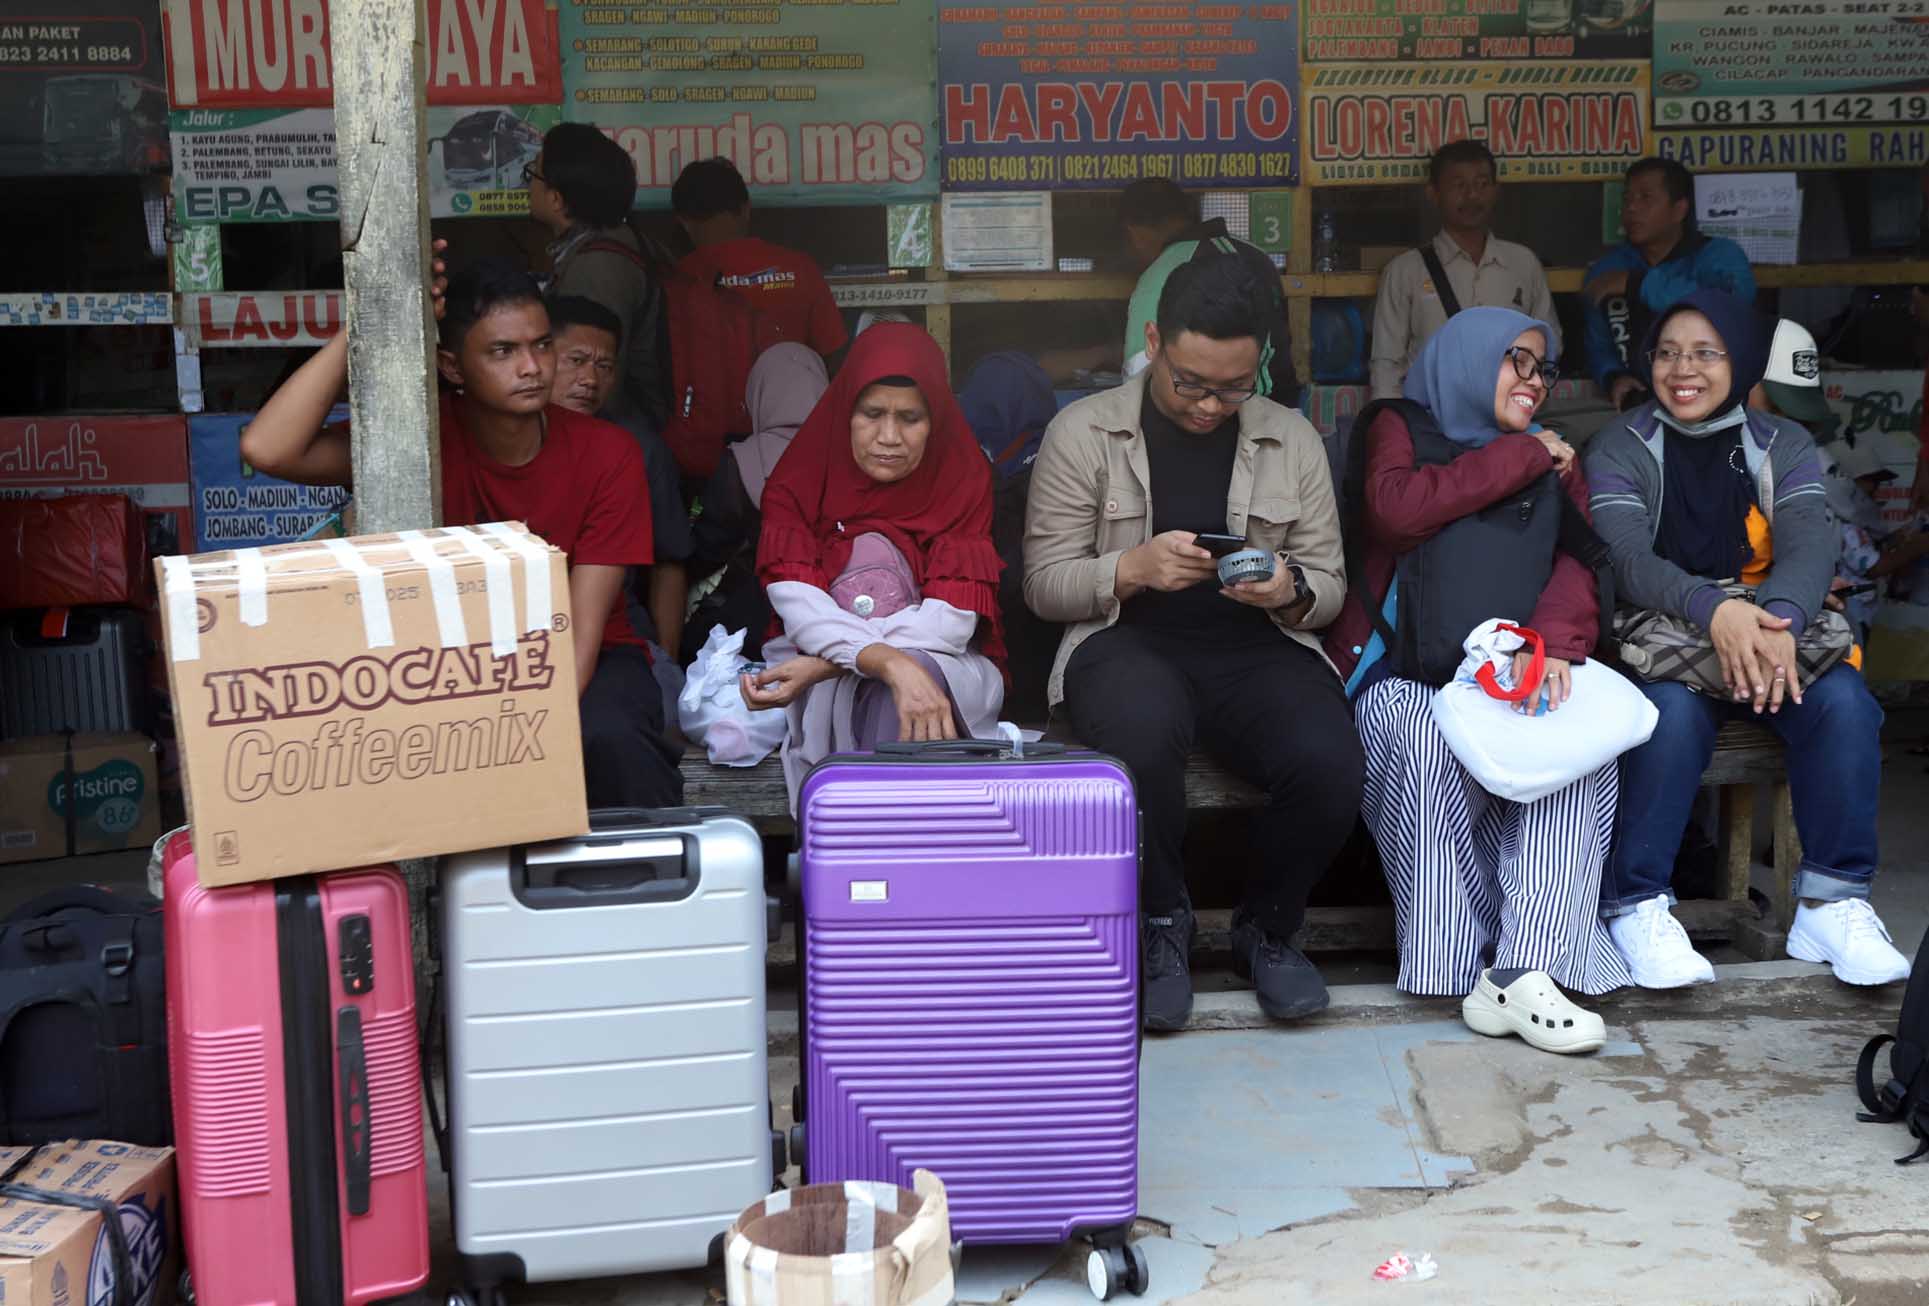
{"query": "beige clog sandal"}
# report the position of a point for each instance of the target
(1534, 1008)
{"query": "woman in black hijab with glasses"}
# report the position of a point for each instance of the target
(1693, 492)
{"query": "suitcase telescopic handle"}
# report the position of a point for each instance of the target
(951, 748)
(607, 871)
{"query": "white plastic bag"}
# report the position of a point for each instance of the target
(1527, 757)
(712, 712)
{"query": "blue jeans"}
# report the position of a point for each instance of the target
(1834, 754)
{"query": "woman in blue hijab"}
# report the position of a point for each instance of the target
(1494, 901)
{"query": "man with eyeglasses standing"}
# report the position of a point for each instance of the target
(582, 188)
(1134, 493)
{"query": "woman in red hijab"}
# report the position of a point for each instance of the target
(876, 554)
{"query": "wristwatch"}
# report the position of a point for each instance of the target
(1300, 588)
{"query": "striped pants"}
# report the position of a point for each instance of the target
(1477, 880)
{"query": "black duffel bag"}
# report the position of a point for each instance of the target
(83, 1020)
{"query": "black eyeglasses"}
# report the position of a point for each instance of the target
(1527, 363)
(530, 174)
(1232, 397)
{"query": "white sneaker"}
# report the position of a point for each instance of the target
(1851, 938)
(1657, 949)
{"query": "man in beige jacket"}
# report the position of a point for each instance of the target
(1159, 656)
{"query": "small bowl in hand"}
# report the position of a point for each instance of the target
(1245, 565)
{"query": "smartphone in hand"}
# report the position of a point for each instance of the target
(1220, 545)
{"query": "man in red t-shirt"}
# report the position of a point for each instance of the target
(509, 455)
(712, 205)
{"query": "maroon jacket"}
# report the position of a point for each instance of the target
(1405, 505)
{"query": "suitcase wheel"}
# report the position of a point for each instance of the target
(1109, 1269)
(491, 1296)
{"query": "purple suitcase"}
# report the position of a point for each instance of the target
(971, 987)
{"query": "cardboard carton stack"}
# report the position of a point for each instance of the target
(56, 1247)
(63, 795)
(351, 702)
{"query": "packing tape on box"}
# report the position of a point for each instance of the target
(854, 1278)
(498, 586)
(454, 633)
(251, 586)
(754, 1270)
(540, 605)
(760, 1276)
(883, 1196)
(183, 621)
(860, 1220)
(378, 628)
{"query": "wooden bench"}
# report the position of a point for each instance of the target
(1745, 756)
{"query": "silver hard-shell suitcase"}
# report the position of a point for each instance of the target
(84, 678)
(608, 1082)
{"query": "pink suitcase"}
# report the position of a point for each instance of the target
(297, 1087)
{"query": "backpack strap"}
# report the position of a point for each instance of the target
(79, 897)
(1879, 1112)
(604, 245)
(1911, 1107)
(1353, 504)
(1913, 1111)
(1441, 286)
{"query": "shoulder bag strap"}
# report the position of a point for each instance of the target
(1441, 286)
(1578, 539)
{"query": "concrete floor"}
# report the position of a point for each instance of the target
(1708, 1155)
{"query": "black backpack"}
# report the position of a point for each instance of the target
(1904, 1096)
(1491, 563)
(83, 1020)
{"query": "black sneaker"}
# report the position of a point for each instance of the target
(1288, 986)
(1165, 951)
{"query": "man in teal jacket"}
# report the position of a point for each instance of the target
(1663, 262)
(1162, 230)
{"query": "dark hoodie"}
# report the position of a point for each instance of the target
(1705, 530)
(1635, 489)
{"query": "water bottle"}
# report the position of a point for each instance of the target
(1326, 244)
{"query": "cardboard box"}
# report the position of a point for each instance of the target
(854, 1244)
(112, 779)
(343, 703)
(58, 1255)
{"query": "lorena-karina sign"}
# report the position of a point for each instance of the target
(1376, 123)
(815, 101)
(1061, 96)
(250, 54)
